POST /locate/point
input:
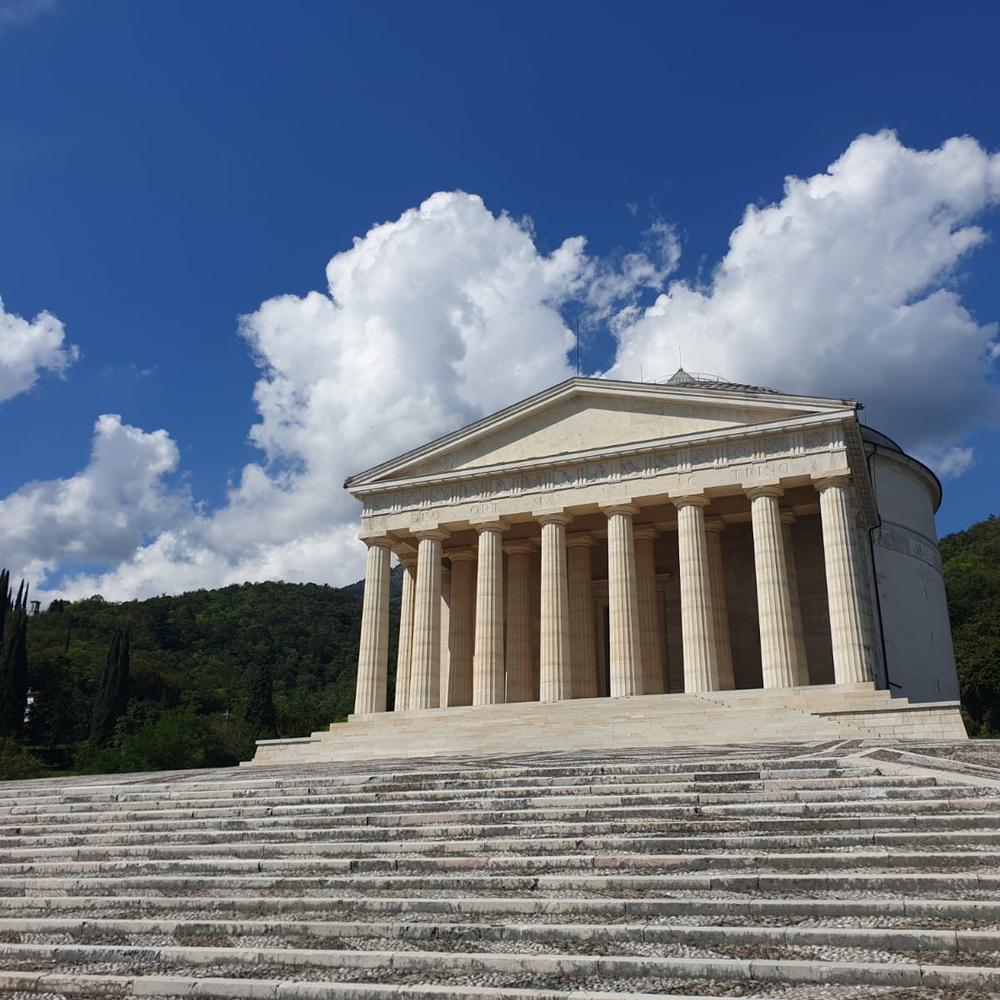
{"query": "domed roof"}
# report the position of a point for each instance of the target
(698, 380)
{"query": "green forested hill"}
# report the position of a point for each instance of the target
(192, 657)
(972, 575)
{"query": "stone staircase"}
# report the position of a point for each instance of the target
(815, 712)
(795, 870)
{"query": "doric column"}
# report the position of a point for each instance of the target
(778, 659)
(714, 527)
(556, 682)
(520, 686)
(787, 520)
(461, 626)
(488, 680)
(842, 582)
(701, 654)
(649, 619)
(623, 604)
(373, 653)
(582, 640)
(425, 671)
(404, 649)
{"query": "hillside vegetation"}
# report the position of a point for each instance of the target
(208, 672)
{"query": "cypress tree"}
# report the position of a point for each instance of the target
(260, 719)
(13, 658)
(112, 692)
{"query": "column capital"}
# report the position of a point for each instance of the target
(619, 508)
(579, 539)
(764, 490)
(524, 547)
(494, 524)
(690, 500)
(715, 524)
(431, 534)
(408, 561)
(644, 532)
(371, 540)
(551, 517)
(787, 517)
(463, 554)
(823, 483)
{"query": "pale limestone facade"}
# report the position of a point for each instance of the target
(616, 539)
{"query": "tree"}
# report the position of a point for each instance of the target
(13, 658)
(112, 692)
(260, 719)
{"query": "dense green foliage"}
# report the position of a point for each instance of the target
(207, 673)
(111, 699)
(13, 658)
(972, 575)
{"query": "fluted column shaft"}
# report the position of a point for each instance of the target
(582, 639)
(623, 605)
(404, 649)
(519, 654)
(556, 681)
(461, 626)
(701, 654)
(373, 653)
(714, 527)
(488, 682)
(842, 582)
(425, 672)
(799, 635)
(778, 658)
(649, 619)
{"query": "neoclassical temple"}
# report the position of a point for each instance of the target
(603, 542)
(618, 539)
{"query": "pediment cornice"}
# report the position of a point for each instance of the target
(632, 449)
(392, 473)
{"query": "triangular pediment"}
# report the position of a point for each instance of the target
(592, 414)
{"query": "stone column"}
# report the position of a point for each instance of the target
(520, 658)
(649, 618)
(373, 654)
(582, 639)
(778, 659)
(425, 671)
(461, 626)
(556, 682)
(714, 527)
(842, 582)
(405, 647)
(787, 520)
(488, 680)
(623, 604)
(701, 654)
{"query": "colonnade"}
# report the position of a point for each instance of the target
(492, 640)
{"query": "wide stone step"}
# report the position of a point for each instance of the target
(503, 863)
(575, 937)
(917, 912)
(124, 960)
(948, 884)
(691, 822)
(285, 843)
(253, 989)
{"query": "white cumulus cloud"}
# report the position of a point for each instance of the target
(428, 322)
(28, 348)
(845, 288)
(101, 514)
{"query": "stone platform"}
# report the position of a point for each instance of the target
(817, 712)
(807, 871)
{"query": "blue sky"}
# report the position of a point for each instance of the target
(166, 169)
